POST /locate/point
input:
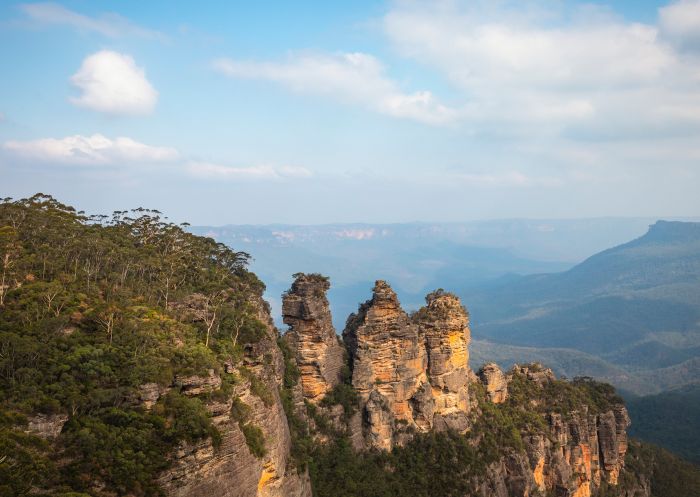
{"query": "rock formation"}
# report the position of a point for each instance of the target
(46, 426)
(231, 469)
(311, 334)
(495, 382)
(444, 325)
(389, 363)
(410, 373)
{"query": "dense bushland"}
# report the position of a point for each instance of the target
(93, 307)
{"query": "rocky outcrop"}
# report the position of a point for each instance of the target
(444, 326)
(197, 385)
(311, 335)
(47, 426)
(231, 469)
(495, 382)
(389, 366)
(411, 374)
(576, 451)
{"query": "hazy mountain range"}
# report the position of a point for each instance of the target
(628, 314)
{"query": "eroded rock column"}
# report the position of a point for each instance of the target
(389, 363)
(444, 324)
(318, 351)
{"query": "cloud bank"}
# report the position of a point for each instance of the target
(89, 151)
(587, 71)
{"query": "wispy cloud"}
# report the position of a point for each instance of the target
(89, 151)
(112, 83)
(589, 71)
(262, 172)
(108, 24)
(355, 78)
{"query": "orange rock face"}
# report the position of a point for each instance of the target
(389, 367)
(444, 325)
(410, 373)
(319, 354)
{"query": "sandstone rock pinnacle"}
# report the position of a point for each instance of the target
(319, 354)
(389, 363)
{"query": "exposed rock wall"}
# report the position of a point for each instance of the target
(411, 375)
(389, 366)
(311, 335)
(495, 382)
(572, 456)
(231, 470)
(444, 325)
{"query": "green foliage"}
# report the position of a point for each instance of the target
(258, 387)
(187, 419)
(124, 449)
(670, 419)
(23, 460)
(345, 395)
(91, 309)
(430, 464)
(255, 439)
(291, 370)
(240, 411)
(668, 475)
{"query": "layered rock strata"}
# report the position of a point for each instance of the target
(444, 325)
(231, 469)
(495, 383)
(575, 453)
(311, 335)
(389, 369)
(411, 373)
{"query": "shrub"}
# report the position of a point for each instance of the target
(255, 440)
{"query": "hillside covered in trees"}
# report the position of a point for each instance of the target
(92, 308)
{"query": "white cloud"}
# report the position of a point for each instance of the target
(89, 150)
(262, 172)
(110, 25)
(680, 21)
(352, 77)
(590, 72)
(112, 83)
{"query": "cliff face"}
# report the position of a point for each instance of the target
(495, 382)
(311, 335)
(389, 361)
(411, 376)
(444, 326)
(574, 453)
(231, 469)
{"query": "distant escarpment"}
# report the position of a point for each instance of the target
(412, 397)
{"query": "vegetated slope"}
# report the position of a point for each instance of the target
(636, 306)
(666, 474)
(670, 419)
(124, 343)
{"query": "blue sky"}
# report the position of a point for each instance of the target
(313, 112)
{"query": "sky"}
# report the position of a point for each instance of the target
(364, 111)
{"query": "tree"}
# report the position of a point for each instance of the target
(9, 251)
